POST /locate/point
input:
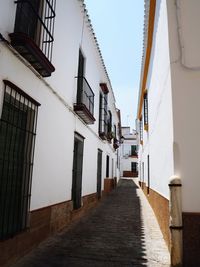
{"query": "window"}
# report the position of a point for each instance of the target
(109, 123)
(146, 111)
(100, 113)
(103, 114)
(115, 131)
(115, 141)
(84, 106)
(17, 141)
(33, 33)
(81, 70)
(133, 150)
(134, 166)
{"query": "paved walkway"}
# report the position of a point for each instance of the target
(121, 231)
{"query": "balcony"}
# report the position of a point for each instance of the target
(133, 155)
(130, 155)
(103, 135)
(115, 143)
(33, 33)
(104, 88)
(84, 106)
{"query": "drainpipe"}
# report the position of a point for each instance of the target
(175, 221)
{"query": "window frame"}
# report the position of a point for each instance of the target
(134, 166)
(103, 113)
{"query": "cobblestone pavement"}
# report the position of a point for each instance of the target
(121, 231)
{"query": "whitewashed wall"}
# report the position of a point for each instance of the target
(158, 141)
(185, 69)
(126, 147)
(126, 164)
(52, 173)
(125, 150)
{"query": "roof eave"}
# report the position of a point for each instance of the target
(150, 7)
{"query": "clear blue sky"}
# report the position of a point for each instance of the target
(119, 29)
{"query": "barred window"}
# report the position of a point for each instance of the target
(103, 113)
(36, 19)
(109, 122)
(17, 139)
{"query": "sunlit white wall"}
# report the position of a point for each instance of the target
(52, 172)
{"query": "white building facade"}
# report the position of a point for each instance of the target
(58, 121)
(168, 116)
(128, 153)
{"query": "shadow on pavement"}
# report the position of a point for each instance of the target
(111, 235)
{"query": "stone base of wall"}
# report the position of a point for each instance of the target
(160, 206)
(129, 174)
(191, 239)
(43, 223)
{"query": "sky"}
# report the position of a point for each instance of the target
(118, 26)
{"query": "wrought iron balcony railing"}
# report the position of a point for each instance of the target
(116, 143)
(84, 106)
(33, 33)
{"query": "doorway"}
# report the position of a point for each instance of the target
(107, 166)
(99, 173)
(77, 171)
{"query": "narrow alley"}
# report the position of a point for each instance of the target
(113, 234)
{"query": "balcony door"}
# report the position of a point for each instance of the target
(77, 171)
(133, 150)
(99, 173)
(27, 18)
(81, 65)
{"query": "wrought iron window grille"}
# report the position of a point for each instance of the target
(36, 19)
(109, 123)
(103, 115)
(17, 141)
(33, 33)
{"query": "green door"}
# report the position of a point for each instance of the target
(12, 145)
(99, 173)
(77, 171)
